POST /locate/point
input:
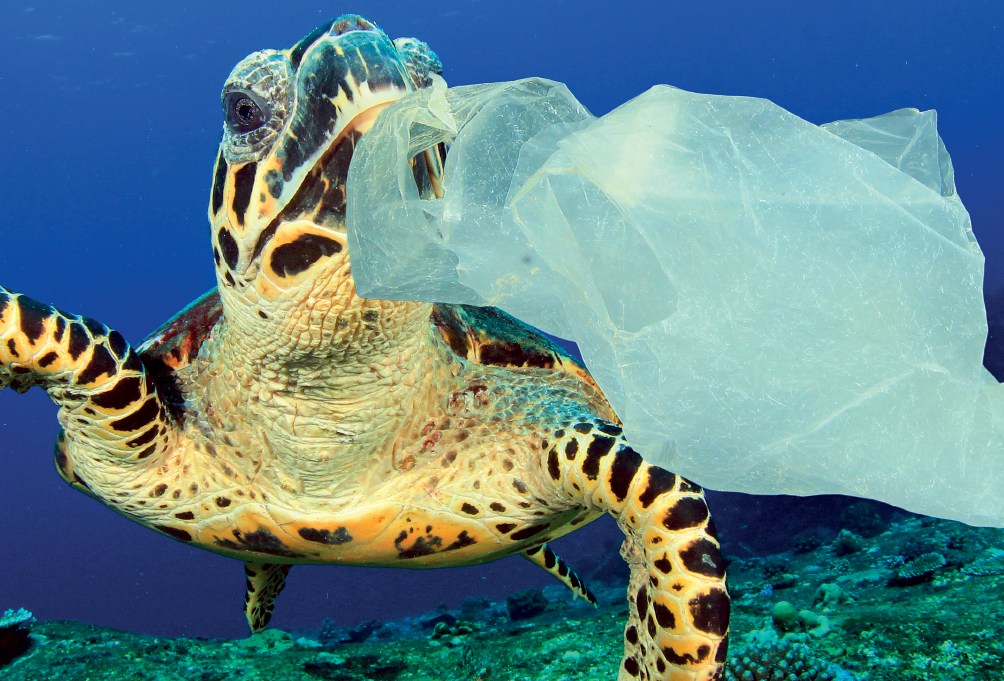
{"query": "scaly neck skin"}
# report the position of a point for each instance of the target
(318, 395)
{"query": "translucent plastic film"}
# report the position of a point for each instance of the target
(770, 306)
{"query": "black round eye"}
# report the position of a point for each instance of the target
(245, 111)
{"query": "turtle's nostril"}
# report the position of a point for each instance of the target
(350, 22)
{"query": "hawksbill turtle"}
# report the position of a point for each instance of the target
(283, 419)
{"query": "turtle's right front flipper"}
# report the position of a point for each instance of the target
(109, 403)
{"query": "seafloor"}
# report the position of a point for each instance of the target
(915, 599)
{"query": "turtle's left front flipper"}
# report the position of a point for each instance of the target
(108, 401)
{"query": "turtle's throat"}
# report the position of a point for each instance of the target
(330, 386)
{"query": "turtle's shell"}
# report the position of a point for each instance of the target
(482, 335)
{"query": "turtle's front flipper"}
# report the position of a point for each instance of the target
(679, 606)
(109, 404)
(547, 559)
(265, 581)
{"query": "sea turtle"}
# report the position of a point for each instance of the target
(282, 419)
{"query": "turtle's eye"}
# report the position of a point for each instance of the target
(245, 111)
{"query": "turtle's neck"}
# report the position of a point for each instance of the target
(324, 395)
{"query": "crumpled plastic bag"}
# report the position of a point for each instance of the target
(771, 306)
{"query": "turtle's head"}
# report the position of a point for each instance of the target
(293, 118)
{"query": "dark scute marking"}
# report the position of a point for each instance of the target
(505, 528)
(79, 340)
(574, 579)
(33, 315)
(146, 437)
(631, 635)
(216, 256)
(243, 186)
(262, 314)
(703, 557)
(222, 502)
(562, 568)
(61, 459)
(57, 334)
(626, 464)
(12, 347)
(533, 550)
(147, 452)
(263, 238)
(687, 512)
(118, 344)
(468, 509)
(711, 612)
(423, 546)
(4, 301)
(688, 486)
(552, 465)
(102, 363)
(609, 429)
(665, 567)
(660, 664)
(259, 541)
(337, 538)
(133, 362)
(297, 52)
(631, 666)
(94, 327)
(228, 246)
(295, 257)
(641, 600)
(520, 486)
(450, 326)
(598, 448)
(125, 392)
(528, 532)
(80, 481)
(663, 615)
(139, 418)
(174, 532)
(47, 359)
(660, 481)
(503, 353)
(722, 653)
(711, 529)
(185, 515)
(497, 507)
(463, 539)
(230, 279)
(219, 179)
(159, 490)
(582, 428)
(274, 182)
(550, 560)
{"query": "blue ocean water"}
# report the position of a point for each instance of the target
(110, 116)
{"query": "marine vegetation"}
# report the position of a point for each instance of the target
(282, 419)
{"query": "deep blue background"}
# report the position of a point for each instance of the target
(109, 119)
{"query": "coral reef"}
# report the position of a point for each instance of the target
(15, 627)
(862, 518)
(847, 542)
(984, 567)
(779, 661)
(526, 604)
(922, 568)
